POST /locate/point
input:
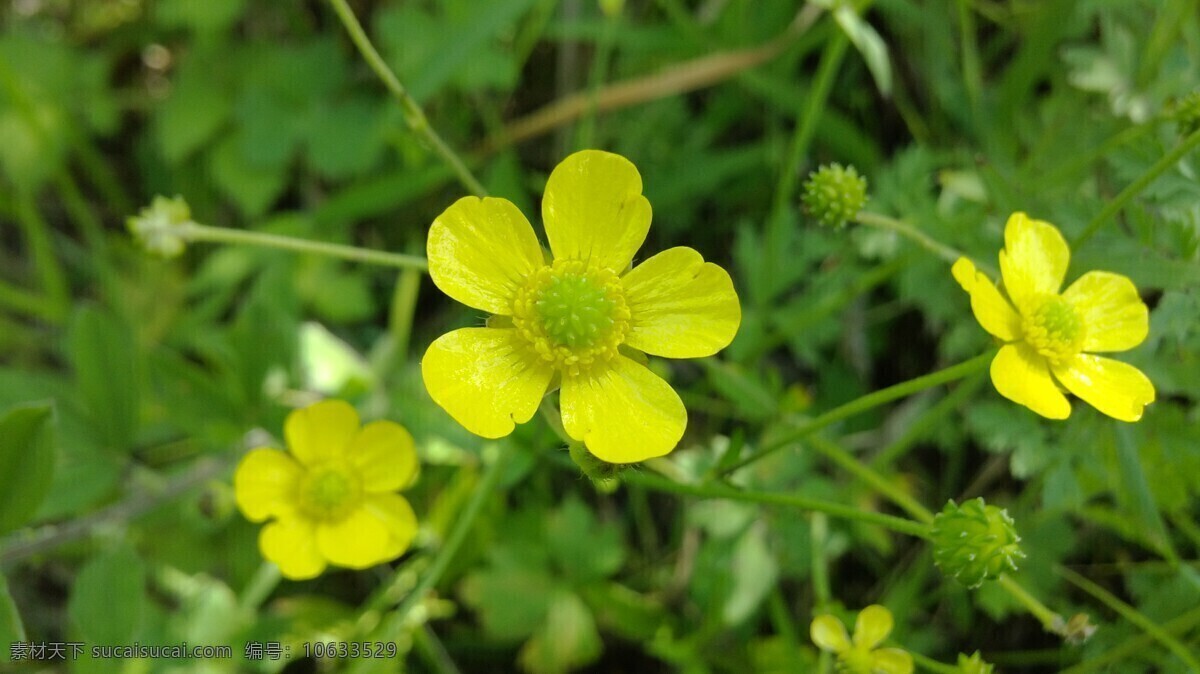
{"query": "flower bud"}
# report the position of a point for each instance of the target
(974, 542)
(158, 226)
(605, 476)
(974, 664)
(834, 195)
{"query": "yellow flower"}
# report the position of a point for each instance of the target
(580, 320)
(860, 656)
(1050, 336)
(332, 499)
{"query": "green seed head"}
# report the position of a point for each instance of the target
(575, 310)
(1054, 328)
(157, 226)
(833, 195)
(605, 476)
(975, 542)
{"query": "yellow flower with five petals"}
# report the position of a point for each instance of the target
(332, 498)
(1050, 337)
(860, 655)
(580, 320)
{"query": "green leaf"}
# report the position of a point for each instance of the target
(204, 16)
(196, 109)
(26, 463)
(108, 598)
(583, 549)
(567, 640)
(511, 603)
(252, 189)
(11, 629)
(754, 572)
(868, 43)
(104, 355)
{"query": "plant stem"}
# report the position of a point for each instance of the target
(1132, 615)
(835, 453)
(1124, 196)
(197, 232)
(1180, 624)
(413, 114)
(915, 235)
(931, 665)
(264, 582)
(50, 272)
(927, 420)
(863, 404)
(394, 624)
(586, 137)
(1051, 621)
(721, 491)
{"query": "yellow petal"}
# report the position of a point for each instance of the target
(593, 209)
(320, 432)
(265, 483)
(384, 456)
(1114, 316)
(488, 379)
(992, 311)
(1023, 376)
(891, 661)
(1033, 262)
(623, 413)
(356, 541)
(1117, 389)
(292, 545)
(480, 251)
(680, 306)
(829, 634)
(397, 517)
(872, 626)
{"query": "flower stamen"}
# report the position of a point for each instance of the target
(329, 492)
(573, 314)
(1054, 329)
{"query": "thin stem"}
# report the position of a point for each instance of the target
(1132, 615)
(835, 453)
(264, 582)
(393, 625)
(1113, 207)
(1180, 624)
(587, 128)
(720, 491)
(819, 534)
(869, 401)
(915, 235)
(428, 644)
(37, 236)
(831, 60)
(197, 232)
(413, 114)
(927, 420)
(931, 665)
(1051, 621)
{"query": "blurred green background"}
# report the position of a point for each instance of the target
(131, 385)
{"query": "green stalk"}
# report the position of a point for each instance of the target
(1161, 166)
(50, 272)
(1051, 621)
(841, 457)
(915, 235)
(1180, 624)
(197, 232)
(260, 587)
(393, 625)
(927, 420)
(413, 114)
(864, 403)
(721, 491)
(587, 126)
(1132, 615)
(931, 665)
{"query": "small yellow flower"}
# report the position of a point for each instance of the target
(579, 320)
(332, 499)
(860, 655)
(1050, 336)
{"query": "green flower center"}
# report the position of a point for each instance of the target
(1054, 328)
(329, 492)
(573, 315)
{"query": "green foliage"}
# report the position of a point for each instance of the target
(27, 458)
